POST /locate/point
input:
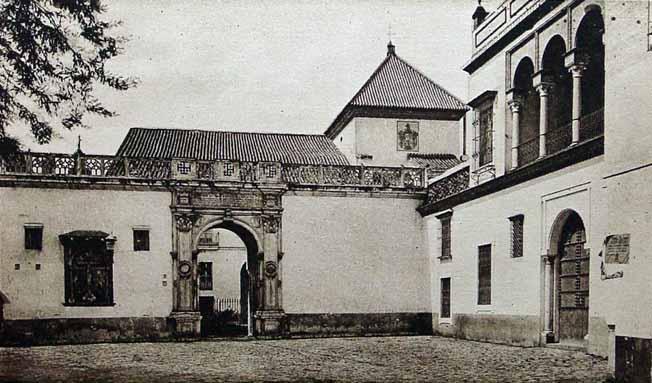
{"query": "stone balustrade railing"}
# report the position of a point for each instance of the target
(94, 166)
(445, 187)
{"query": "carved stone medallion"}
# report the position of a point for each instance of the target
(185, 269)
(271, 269)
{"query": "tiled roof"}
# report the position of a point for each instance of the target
(436, 163)
(220, 145)
(399, 86)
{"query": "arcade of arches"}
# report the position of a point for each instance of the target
(559, 101)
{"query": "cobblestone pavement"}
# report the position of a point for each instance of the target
(387, 359)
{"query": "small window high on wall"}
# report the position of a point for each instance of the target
(484, 275)
(33, 236)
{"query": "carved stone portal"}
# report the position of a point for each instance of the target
(255, 216)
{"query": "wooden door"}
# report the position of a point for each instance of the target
(573, 282)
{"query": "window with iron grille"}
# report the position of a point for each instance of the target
(445, 236)
(183, 167)
(228, 169)
(205, 275)
(88, 273)
(484, 275)
(141, 240)
(33, 237)
(517, 235)
(485, 139)
(445, 311)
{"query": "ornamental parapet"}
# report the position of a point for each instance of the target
(57, 166)
(448, 185)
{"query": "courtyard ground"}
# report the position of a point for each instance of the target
(389, 359)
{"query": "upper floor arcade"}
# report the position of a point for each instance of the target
(537, 84)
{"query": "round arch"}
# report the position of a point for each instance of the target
(561, 101)
(588, 40)
(528, 128)
(556, 231)
(243, 230)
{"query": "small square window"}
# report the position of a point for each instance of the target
(141, 240)
(33, 237)
(183, 167)
(271, 171)
(17, 266)
(38, 266)
(228, 169)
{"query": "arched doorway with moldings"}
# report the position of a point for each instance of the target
(227, 265)
(569, 270)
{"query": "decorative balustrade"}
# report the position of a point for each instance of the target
(375, 176)
(60, 165)
(528, 151)
(592, 125)
(447, 186)
(559, 138)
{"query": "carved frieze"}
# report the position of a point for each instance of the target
(235, 199)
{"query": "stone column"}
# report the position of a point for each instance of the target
(544, 90)
(269, 314)
(577, 70)
(515, 107)
(185, 314)
(547, 297)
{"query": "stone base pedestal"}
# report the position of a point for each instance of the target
(186, 323)
(270, 322)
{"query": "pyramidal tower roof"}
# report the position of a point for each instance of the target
(395, 89)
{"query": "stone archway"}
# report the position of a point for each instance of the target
(255, 216)
(248, 294)
(567, 274)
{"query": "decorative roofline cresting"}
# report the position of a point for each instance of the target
(147, 170)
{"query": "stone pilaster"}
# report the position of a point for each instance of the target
(187, 318)
(269, 316)
(547, 297)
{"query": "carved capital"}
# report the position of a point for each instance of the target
(515, 105)
(577, 70)
(184, 222)
(545, 88)
(270, 223)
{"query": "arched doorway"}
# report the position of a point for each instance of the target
(227, 263)
(571, 279)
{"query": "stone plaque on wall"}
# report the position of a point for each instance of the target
(239, 199)
(617, 248)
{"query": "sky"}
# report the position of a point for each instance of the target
(274, 66)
